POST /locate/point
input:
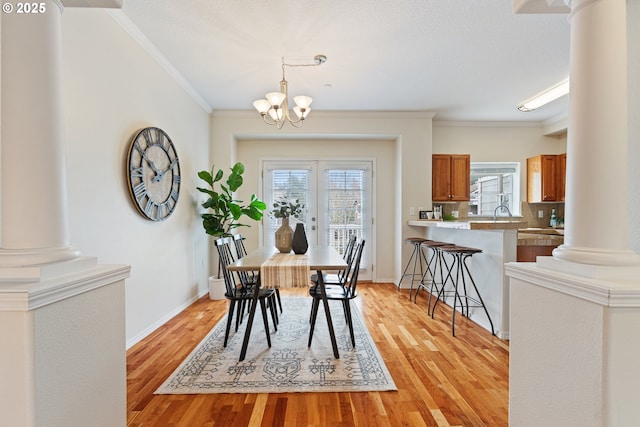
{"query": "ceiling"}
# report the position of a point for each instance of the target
(469, 60)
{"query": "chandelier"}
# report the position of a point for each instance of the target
(275, 109)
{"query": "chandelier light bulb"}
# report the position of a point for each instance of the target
(303, 101)
(275, 98)
(262, 105)
(275, 109)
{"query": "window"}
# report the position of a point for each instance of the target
(492, 185)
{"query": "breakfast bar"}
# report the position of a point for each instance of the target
(498, 241)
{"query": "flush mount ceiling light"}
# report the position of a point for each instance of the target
(545, 97)
(275, 109)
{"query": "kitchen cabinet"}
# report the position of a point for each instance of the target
(450, 177)
(546, 178)
(561, 171)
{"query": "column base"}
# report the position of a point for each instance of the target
(596, 256)
(29, 257)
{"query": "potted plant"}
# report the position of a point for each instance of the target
(284, 208)
(224, 211)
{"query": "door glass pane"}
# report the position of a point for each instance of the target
(344, 196)
(290, 183)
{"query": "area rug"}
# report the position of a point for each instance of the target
(289, 365)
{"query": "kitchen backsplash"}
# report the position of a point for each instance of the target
(529, 212)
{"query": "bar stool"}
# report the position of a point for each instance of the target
(416, 256)
(460, 256)
(434, 265)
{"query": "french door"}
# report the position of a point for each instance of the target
(338, 199)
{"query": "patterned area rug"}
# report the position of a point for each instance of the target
(289, 365)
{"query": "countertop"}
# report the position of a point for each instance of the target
(542, 237)
(472, 224)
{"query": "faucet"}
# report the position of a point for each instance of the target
(495, 212)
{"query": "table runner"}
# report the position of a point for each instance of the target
(285, 271)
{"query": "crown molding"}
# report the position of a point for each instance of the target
(124, 21)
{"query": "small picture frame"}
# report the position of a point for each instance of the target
(423, 214)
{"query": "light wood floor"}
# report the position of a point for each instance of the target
(441, 380)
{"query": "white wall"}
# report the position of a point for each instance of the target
(487, 142)
(113, 88)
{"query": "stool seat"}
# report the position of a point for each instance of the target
(414, 240)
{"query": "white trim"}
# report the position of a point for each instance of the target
(605, 293)
(148, 331)
(30, 296)
(131, 28)
(453, 123)
(334, 114)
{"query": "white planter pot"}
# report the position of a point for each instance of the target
(216, 288)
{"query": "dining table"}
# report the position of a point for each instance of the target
(289, 272)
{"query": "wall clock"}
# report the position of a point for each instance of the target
(153, 173)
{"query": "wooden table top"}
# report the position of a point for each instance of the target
(320, 258)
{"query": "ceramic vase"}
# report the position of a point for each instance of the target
(284, 236)
(299, 243)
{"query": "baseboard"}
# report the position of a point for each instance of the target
(142, 335)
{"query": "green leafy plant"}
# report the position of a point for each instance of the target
(225, 211)
(284, 208)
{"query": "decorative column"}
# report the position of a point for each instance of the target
(597, 140)
(62, 316)
(574, 315)
(34, 217)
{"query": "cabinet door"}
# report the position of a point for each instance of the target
(441, 177)
(541, 179)
(549, 178)
(460, 177)
(561, 176)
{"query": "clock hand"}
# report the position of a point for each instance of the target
(151, 164)
(160, 174)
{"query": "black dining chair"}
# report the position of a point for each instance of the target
(237, 293)
(336, 278)
(344, 292)
(249, 278)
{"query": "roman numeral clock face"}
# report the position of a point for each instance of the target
(153, 173)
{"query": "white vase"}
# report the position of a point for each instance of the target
(216, 288)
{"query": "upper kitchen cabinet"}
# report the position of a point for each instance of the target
(561, 171)
(546, 178)
(451, 177)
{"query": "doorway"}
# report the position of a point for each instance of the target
(338, 200)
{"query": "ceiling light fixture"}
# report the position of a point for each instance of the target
(275, 109)
(545, 97)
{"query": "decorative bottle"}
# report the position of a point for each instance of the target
(553, 222)
(299, 243)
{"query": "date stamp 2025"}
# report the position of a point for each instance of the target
(24, 8)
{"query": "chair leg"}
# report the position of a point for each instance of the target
(265, 320)
(278, 297)
(274, 313)
(275, 308)
(240, 314)
(347, 305)
(232, 305)
(314, 315)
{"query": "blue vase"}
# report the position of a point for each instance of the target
(299, 242)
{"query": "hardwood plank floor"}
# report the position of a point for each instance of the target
(442, 380)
